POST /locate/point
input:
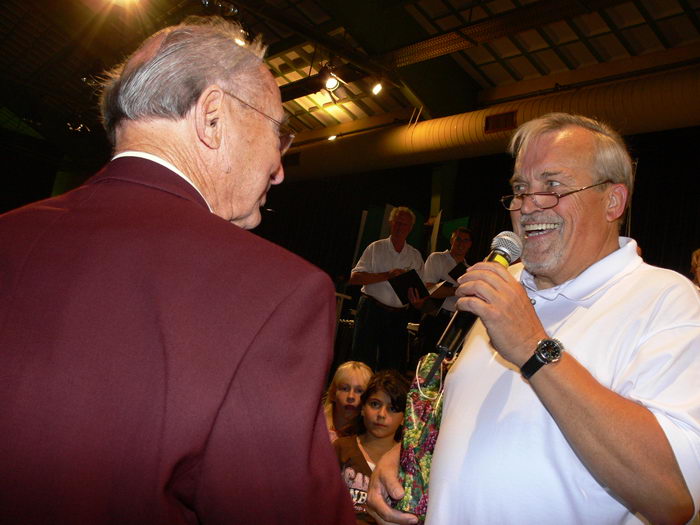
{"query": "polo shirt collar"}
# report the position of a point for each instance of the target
(600, 274)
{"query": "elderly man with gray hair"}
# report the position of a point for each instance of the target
(160, 364)
(575, 397)
(380, 338)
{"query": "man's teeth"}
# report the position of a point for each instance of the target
(539, 229)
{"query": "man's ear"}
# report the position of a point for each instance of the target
(617, 198)
(208, 115)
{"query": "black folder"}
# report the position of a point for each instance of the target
(457, 271)
(410, 279)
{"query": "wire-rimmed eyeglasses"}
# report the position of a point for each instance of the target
(542, 199)
(286, 134)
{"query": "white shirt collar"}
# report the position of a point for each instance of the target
(614, 266)
(165, 164)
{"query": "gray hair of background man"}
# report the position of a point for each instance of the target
(402, 209)
(612, 160)
(166, 75)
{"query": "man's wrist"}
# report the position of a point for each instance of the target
(546, 352)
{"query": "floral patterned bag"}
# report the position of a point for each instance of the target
(421, 425)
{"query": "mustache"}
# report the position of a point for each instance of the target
(539, 217)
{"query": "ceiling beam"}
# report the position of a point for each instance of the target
(529, 17)
(268, 12)
(315, 83)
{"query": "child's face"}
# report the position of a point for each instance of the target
(380, 419)
(347, 395)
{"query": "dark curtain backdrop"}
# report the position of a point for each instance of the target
(35, 169)
(30, 166)
(666, 203)
(319, 219)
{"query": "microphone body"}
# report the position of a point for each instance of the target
(506, 248)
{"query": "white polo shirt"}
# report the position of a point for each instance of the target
(500, 457)
(380, 256)
(437, 269)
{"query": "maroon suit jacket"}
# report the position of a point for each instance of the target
(159, 365)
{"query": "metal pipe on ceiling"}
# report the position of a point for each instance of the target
(656, 102)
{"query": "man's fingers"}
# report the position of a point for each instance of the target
(378, 507)
(394, 487)
(394, 517)
(385, 481)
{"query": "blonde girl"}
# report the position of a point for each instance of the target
(341, 404)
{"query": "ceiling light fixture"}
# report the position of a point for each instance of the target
(377, 88)
(330, 80)
(225, 8)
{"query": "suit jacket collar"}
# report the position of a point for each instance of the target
(142, 171)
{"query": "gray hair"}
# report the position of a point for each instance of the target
(402, 209)
(612, 160)
(166, 75)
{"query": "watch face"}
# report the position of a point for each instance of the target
(549, 350)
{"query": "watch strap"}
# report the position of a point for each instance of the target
(532, 365)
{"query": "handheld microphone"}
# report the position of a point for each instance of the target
(506, 248)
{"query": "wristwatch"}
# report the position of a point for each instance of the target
(547, 351)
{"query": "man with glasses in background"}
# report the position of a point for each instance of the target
(160, 364)
(575, 398)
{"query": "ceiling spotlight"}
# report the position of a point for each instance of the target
(377, 88)
(229, 10)
(332, 82)
(333, 137)
(225, 8)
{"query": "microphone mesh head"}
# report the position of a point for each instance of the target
(509, 244)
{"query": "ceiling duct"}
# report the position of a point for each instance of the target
(656, 102)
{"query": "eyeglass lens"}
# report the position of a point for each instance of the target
(545, 199)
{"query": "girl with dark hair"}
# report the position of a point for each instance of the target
(383, 405)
